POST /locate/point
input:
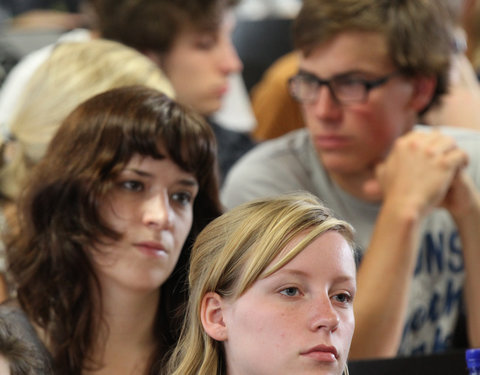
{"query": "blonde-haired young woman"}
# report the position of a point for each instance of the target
(272, 284)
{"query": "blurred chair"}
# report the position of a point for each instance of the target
(448, 363)
(259, 43)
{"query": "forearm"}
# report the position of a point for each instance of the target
(384, 279)
(469, 231)
(420, 173)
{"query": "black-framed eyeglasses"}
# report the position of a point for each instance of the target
(345, 89)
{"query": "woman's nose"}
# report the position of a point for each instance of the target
(324, 315)
(158, 212)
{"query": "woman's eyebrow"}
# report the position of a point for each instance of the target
(139, 172)
(186, 181)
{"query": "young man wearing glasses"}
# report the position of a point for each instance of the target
(367, 69)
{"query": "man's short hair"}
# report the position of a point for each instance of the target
(418, 32)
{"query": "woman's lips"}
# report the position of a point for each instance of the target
(322, 353)
(153, 249)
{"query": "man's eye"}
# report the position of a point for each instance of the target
(132, 185)
(308, 80)
(349, 81)
(290, 291)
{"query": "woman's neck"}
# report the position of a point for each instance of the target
(126, 341)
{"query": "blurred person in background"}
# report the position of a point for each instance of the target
(189, 39)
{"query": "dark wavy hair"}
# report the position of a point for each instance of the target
(59, 218)
(154, 24)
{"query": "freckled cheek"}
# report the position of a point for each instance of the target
(284, 327)
(277, 329)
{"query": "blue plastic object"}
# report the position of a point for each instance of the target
(472, 357)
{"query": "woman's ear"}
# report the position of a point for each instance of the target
(424, 89)
(211, 314)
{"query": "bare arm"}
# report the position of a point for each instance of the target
(383, 283)
(463, 202)
(413, 180)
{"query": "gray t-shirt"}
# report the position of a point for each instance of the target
(290, 163)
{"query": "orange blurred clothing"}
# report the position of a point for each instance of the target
(275, 110)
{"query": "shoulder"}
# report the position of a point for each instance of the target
(18, 322)
(467, 139)
(459, 133)
(279, 155)
(18, 334)
(277, 166)
(12, 315)
(287, 147)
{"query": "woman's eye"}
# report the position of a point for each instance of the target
(132, 185)
(290, 292)
(343, 298)
(183, 198)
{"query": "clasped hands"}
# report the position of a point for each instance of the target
(424, 170)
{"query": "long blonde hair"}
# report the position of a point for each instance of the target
(74, 72)
(231, 253)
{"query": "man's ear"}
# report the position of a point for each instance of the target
(211, 314)
(423, 91)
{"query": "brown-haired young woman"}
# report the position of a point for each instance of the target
(105, 224)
